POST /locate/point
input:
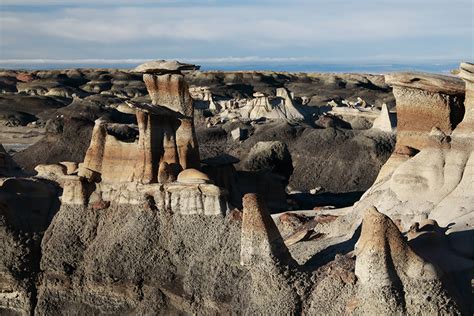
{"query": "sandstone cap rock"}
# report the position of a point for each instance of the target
(259, 94)
(192, 176)
(466, 71)
(426, 81)
(164, 66)
(71, 166)
(125, 108)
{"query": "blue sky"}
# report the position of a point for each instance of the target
(237, 31)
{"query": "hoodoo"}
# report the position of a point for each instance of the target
(166, 131)
(126, 170)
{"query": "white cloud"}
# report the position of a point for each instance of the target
(216, 23)
(212, 25)
(72, 2)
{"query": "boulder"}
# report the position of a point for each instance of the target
(239, 133)
(51, 172)
(273, 156)
(192, 176)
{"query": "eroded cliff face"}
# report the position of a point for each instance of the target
(431, 163)
(430, 178)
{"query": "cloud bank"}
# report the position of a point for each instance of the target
(318, 30)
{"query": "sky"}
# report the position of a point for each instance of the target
(238, 31)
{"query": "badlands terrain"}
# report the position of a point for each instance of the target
(168, 190)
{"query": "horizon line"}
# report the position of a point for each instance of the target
(231, 60)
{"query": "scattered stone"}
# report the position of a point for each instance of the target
(192, 176)
(239, 133)
(100, 205)
(316, 190)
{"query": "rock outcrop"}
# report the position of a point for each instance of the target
(261, 241)
(280, 107)
(161, 165)
(143, 229)
(7, 165)
(430, 175)
(392, 278)
(166, 132)
(270, 156)
(27, 207)
(204, 99)
(386, 121)
(425, 101)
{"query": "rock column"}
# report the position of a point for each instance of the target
(425, 101)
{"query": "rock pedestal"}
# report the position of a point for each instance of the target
(119, 168)
(166, 131)
(425, 101)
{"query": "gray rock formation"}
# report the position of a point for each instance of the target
(392, 278)
(261, 241)
(271, 156)
(386, 121)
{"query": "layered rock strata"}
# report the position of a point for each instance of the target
(125, 170)
(166, 133)
(430, 175)
(425, 101)
(432, 156)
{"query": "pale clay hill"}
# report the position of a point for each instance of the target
(236, 193)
